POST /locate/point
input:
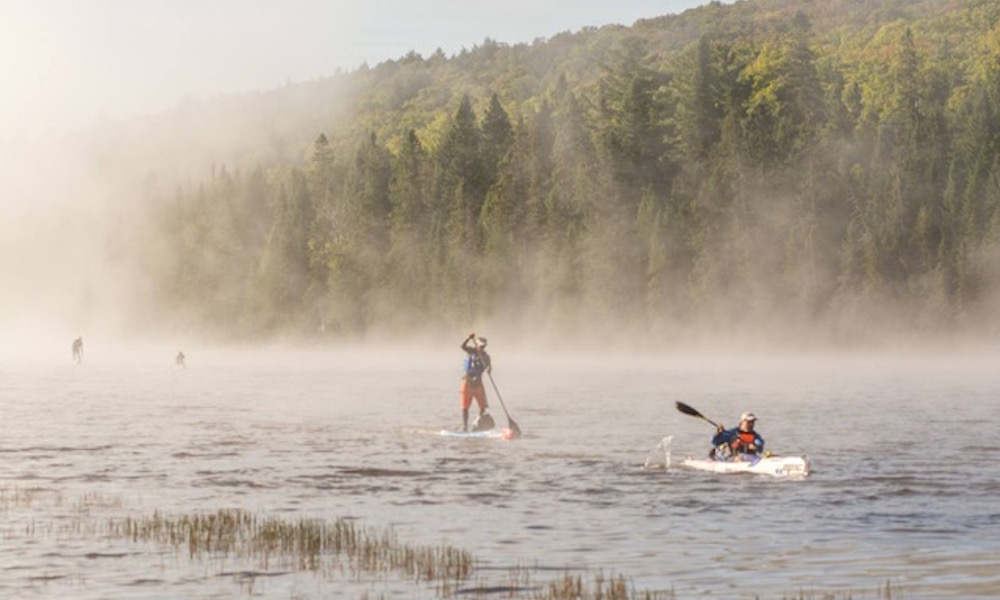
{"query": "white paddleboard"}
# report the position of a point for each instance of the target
(490, 434)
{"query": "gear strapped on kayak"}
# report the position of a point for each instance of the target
(733, 444)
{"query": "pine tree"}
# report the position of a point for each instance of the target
(497, 139)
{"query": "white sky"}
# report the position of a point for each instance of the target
(64, 63)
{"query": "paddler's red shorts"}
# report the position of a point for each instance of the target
(473, 390)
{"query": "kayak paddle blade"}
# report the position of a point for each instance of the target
(688, 410)
(684, 408)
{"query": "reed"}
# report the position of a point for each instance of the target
(888, 591)
(614, 587)
(15, 497)
(303, 544)
(341, 545)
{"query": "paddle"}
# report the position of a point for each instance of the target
(684, 408)
(510, 422)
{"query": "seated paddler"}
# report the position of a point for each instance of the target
(733, 444)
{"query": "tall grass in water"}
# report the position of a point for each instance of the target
(328, 546)
(574, 587)
(302, 544)
(889, 591)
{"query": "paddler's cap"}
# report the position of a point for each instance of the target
(748, 416)
(482, 341)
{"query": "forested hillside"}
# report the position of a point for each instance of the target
(772, 169)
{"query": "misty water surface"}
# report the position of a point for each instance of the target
(904, 488)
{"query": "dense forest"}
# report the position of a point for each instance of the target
(772, 169)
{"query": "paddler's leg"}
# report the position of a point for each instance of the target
(479, 392)
(466, 403)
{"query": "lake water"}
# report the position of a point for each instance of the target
(904, 491)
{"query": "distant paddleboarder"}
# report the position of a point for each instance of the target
(78, 350)
(477, 361)
(179, 361)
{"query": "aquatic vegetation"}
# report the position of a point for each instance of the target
(615, 587)
(305, 544)
(888, 591)
(340, 545)
(15, 497)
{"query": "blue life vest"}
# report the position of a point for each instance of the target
(474, 367)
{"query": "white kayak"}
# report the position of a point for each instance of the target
(775, 466)
(489, 434)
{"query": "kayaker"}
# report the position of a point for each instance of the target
(476, 362)
(179, 360)
(730, 444)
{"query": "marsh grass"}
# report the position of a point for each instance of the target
(613, 587)
(16, 497)
(340, 545)
(301, 544)
(889, 591)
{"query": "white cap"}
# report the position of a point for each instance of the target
(748, 416)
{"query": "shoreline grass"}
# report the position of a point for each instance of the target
(303, 544)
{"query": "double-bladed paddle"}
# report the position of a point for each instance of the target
(688, 410)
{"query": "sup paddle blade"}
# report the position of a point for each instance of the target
(515, 430)
(512, 426)
(510, 433)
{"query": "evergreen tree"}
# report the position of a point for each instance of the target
(411, 262)
(699, 109)
(497, 139)
(283, 269)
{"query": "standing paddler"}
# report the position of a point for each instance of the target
(78, 350)
(477, 361)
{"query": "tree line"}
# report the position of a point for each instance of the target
(764, 168)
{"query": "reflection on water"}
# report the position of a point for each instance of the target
(903, 488)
